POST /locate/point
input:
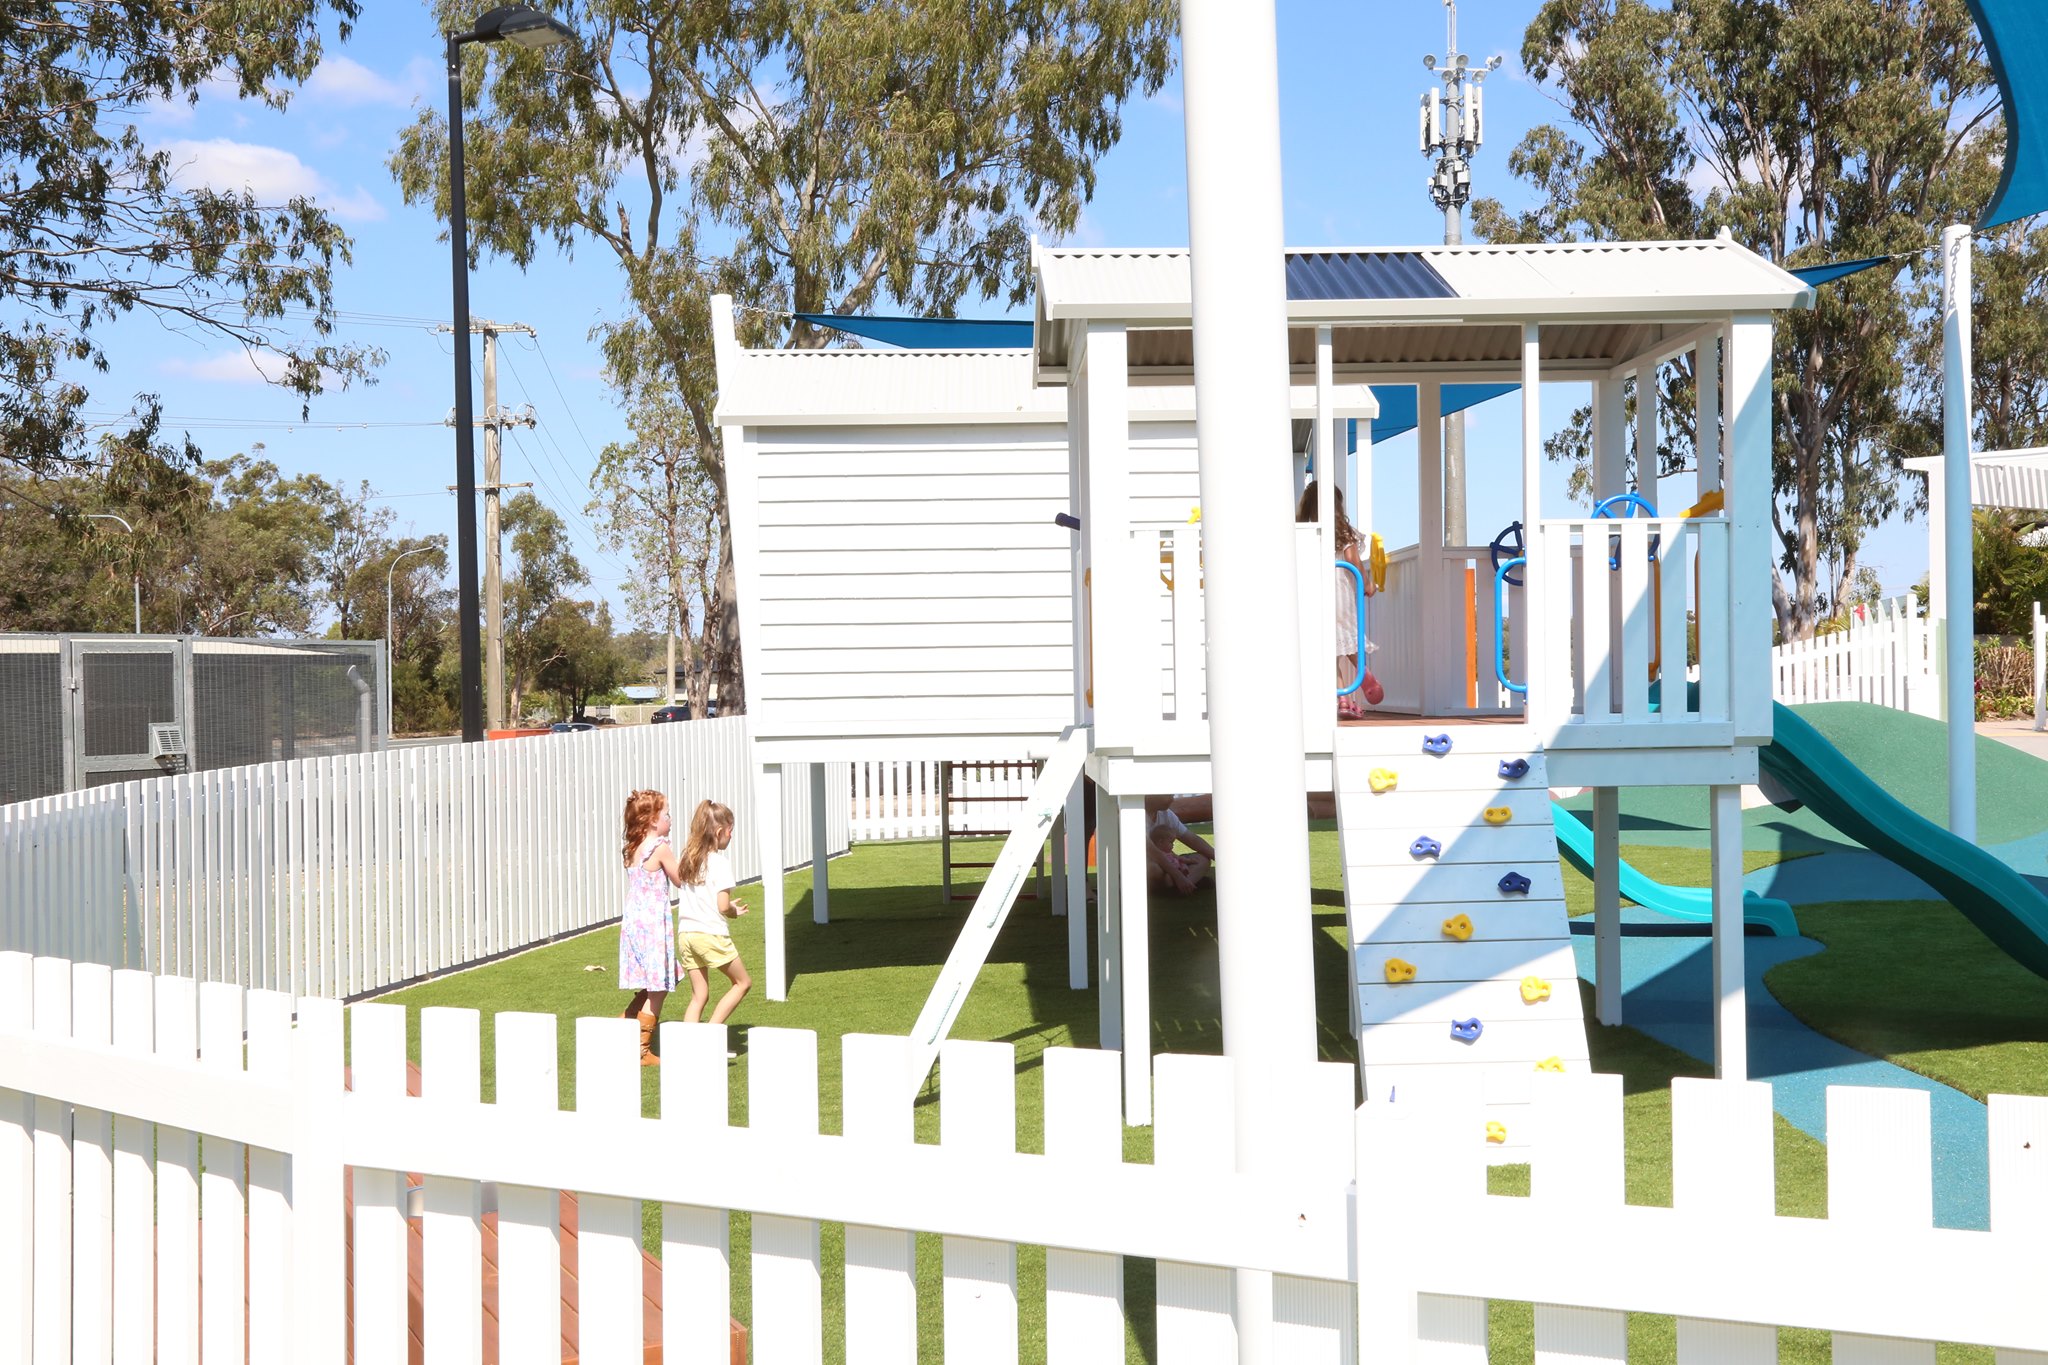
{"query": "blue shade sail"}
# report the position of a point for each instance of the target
(928, 334)
(1398, 405)
(1835, 270)
(2016, 41)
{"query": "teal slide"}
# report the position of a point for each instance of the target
(1575, 842)
(2008, 908)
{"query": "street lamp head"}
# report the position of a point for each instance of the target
(521, 26)
(1429, 63)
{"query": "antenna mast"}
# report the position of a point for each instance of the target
(1450, 133)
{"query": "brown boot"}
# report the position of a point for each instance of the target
(648, 1020)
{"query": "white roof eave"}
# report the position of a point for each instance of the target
(1394, 312)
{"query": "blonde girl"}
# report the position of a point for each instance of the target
(647, 958)
(1350, 548)
(704, 915)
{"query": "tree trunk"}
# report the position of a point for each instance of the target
(722, 631)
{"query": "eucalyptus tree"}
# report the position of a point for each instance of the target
(802, 155)
(1812, 130)
(95, 222)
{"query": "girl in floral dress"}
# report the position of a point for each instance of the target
(647, 956)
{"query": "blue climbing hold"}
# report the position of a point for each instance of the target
(1425, 847)
(1514, 769)
(1514, 884)
(1467, 1030)
(1436, 744)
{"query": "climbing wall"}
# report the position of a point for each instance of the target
(1461, 961)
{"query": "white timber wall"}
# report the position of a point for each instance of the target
(124, 1097)
(908, 580)
(339, 876)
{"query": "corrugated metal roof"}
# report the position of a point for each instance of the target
(1326, 275)
(1541, 280)
(909, 386)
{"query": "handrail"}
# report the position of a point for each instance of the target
(1500, 670)
(1358, 577)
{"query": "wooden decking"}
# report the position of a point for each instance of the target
(650, 1283)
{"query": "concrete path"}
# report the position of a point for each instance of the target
(2019, 733)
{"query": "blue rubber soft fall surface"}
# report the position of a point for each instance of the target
(1991, 895)
(1694, 903)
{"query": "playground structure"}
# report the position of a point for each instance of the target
(1285, 1220)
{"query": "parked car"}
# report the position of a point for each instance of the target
(680, 711)
(564, 727)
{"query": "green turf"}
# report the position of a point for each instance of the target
(1906, 754)
(1916, 983)
(868, 971)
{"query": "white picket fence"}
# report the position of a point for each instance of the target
(900, 800)
(1887, 658)
(126, 1098)
(338, 876)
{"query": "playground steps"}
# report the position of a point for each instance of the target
(1396, 902)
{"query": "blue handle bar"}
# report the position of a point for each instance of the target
(1605, 507)
(1499, 628)
(1358, 579)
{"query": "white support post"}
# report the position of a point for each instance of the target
(1134, 923)
(821, 848)
(1607, 905)
(1960, 588)
(1706, 370)
(1731, 1001)
(1746, 474)
(1231, 98)
(1109, 971)
(1076, 874)
(1646, 436)
(1532, 637)
(768, 837)
(1123, 676)
(1429, 534)
(1610, 449)
(2040, 669)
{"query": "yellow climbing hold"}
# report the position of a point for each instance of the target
(1498, 815)
(1459, 927)
(1194, 516)
(1376, 558)
(1399, 971)
(1496, 1132)
(1534, 988)
(1382, 779)
(1551, 1064)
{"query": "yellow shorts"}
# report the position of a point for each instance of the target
(702, 952)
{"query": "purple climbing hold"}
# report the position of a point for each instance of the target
(1514, 884)
(1425, 847)
(1436, 744)
(1514, 769)
(1467, 1030)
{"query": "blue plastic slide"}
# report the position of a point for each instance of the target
(1696, 903)
(1995, 898)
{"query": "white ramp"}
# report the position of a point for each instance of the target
(1409, 906)
(978, 935)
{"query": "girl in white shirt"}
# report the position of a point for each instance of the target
(705, 941)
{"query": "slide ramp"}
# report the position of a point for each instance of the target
(1694, 903)
(2008, 908)
(1016, 863)
(1396, 903)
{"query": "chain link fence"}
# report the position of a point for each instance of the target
(88, 710)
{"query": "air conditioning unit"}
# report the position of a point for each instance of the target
(167, 746)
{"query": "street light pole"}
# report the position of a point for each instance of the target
(526, 28)
(134, 571)
(390, 648)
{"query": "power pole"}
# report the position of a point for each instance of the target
(1450, 133)
(493, 422)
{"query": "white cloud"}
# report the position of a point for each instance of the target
(341, 80)
(272, 174)
(244, 367)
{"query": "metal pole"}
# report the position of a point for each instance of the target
(1960, 650)
(467, 608)
(1237, 254)
(494, 583)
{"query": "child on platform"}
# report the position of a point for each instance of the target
(702, 918)
(1351, 549)
(647, 958)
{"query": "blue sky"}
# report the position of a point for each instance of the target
(1350, 77)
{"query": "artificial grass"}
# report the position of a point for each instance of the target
(869, 971)
(1916, 983)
